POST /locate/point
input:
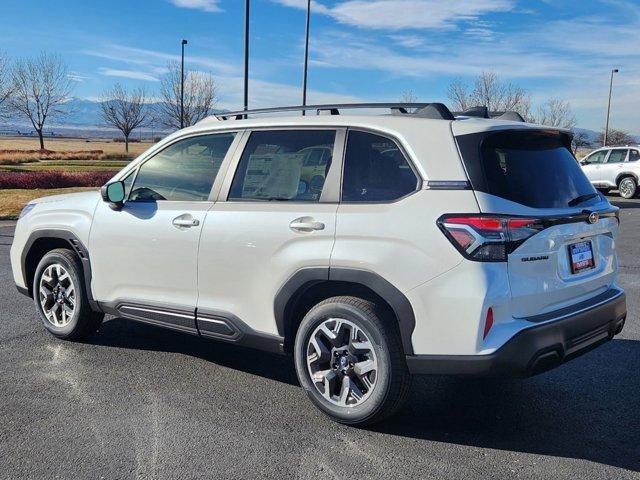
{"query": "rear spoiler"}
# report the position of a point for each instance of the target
(483, 112)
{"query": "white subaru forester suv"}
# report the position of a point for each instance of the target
(369, 247)
(614, 167)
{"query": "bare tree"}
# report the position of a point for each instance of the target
(556, 113)
(490, 91)
(460, 95)
(580, 140)
(125, 110)
(41, 86)
(408, 96)
(616, 138)
(200, 96)
(6, 87)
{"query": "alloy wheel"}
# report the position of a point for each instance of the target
(627, 187)
(57, 295)
(342, 362)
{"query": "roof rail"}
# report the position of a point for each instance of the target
(432, 110)
(483, 112)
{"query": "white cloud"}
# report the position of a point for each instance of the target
(408, 41)
(156, 61)
(302, 5)
(264, 94)
(130, 74)
(211, 6)
(405, 14)
(76, 77)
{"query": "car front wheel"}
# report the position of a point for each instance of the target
(349, 360)
(60, 296)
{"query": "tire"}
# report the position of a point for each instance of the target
(59, 273)
(382, 391)
(628, 188)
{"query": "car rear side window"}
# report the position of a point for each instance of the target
(375, 169)
(184, 171)
(617, 156)
(284, 165)
(634, 155)
(532, 168)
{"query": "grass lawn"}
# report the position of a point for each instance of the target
(12, 201)
(71, 144)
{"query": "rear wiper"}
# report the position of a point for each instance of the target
(582, 198)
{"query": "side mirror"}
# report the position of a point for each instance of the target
(582, 162)
(113, 193)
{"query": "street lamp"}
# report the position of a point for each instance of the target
(306, 57)
(606, 127)
(184, 42)
(246, 55)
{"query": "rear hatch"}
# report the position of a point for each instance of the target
(559, 231)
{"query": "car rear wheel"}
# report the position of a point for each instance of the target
(349, 360)
(628, 187)
(61, 298)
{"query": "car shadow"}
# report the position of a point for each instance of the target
(625, 204)
(587, 409)
(123, 333)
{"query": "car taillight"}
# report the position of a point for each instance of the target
(488, 323)
(488, 238)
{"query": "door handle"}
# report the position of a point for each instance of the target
(185, 221)
(306, 224)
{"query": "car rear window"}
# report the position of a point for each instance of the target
(532, 168)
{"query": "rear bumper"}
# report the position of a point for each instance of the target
(549, 342)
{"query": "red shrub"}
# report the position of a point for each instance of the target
(53, 179)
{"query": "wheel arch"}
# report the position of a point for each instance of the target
(626, 174)
(309, 286)
(41, 242)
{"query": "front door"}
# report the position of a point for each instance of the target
(592, 166)
(273, 219)
(144, 257)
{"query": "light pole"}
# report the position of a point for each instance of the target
(306, 56)
(184, 42)
(246, 55)
(606, 126)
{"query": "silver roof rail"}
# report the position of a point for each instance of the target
(432, 110)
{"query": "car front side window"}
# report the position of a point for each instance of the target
(184, 171)
(596, 157)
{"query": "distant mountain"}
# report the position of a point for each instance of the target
(82, 112)
(592, 135)
(83, 118)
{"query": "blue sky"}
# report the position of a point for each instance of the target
(360, 50)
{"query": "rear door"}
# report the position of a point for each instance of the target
(614, 165)
(533, 174)
(272, 219)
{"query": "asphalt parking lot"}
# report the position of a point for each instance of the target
(138, 401)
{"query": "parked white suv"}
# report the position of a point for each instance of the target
(614, 167)
(413, 243)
